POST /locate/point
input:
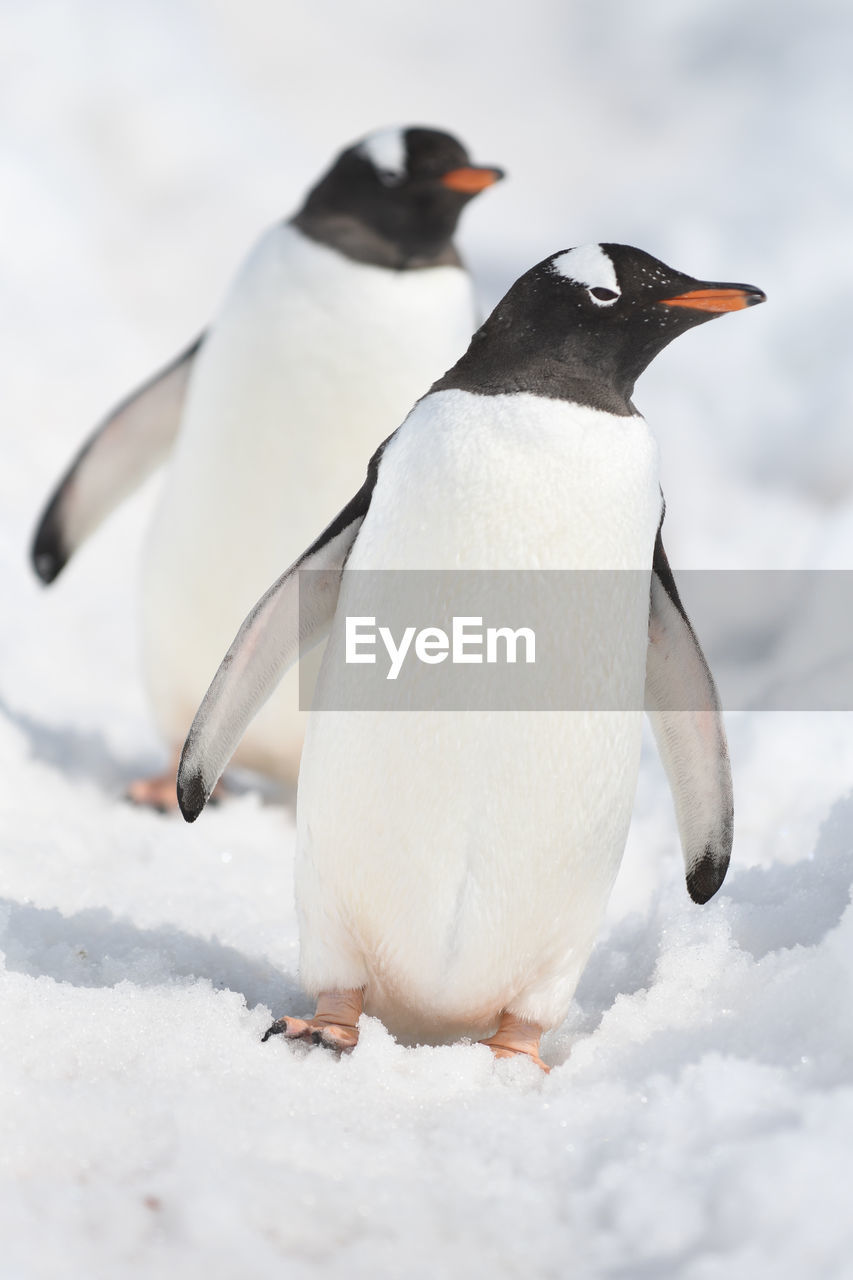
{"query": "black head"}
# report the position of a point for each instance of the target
(585, 323)
(394, 198)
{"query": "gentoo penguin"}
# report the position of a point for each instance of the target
(453, 866)
(336, 322)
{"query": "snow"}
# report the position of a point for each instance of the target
(699, 1117)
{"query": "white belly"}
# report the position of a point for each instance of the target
(458, 863)
(312, 363)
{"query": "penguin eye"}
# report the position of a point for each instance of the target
(603, 295)
(389, 177)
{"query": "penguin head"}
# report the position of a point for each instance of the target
(405, 187)
(584, 323)
(632, 289)
(624, 306)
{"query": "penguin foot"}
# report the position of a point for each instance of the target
(158, 793)
(513, 1037)
(331, 1035)
(334, 1025)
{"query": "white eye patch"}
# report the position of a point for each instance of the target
(386, 151)
(591, 267)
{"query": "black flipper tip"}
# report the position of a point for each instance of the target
(706, 875)
(191, 796)
(47, 555)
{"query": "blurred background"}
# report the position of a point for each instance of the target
(145, 144)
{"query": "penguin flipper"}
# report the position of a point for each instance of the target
(120, 453)
(684, 709)
(287, 621)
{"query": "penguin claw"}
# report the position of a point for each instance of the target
(334, 1036)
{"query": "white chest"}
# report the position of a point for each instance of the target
(513, 482)
(312, 362)
(306, 335)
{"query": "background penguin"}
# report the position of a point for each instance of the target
(453, 868)
(337, 321)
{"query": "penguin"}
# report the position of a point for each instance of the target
(453, 866)
(339, 318)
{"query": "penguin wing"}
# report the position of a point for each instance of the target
(122, 452)
(289, 620)
(684, 709)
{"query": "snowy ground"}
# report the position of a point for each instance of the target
(699, 1119)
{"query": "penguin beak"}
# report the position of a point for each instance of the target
(470, 180)
(718, 298)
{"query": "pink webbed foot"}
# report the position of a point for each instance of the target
(334, 1025)
(154, 793)
(514, 1037)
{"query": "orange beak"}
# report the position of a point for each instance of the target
(470, 180)
(718, 298)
